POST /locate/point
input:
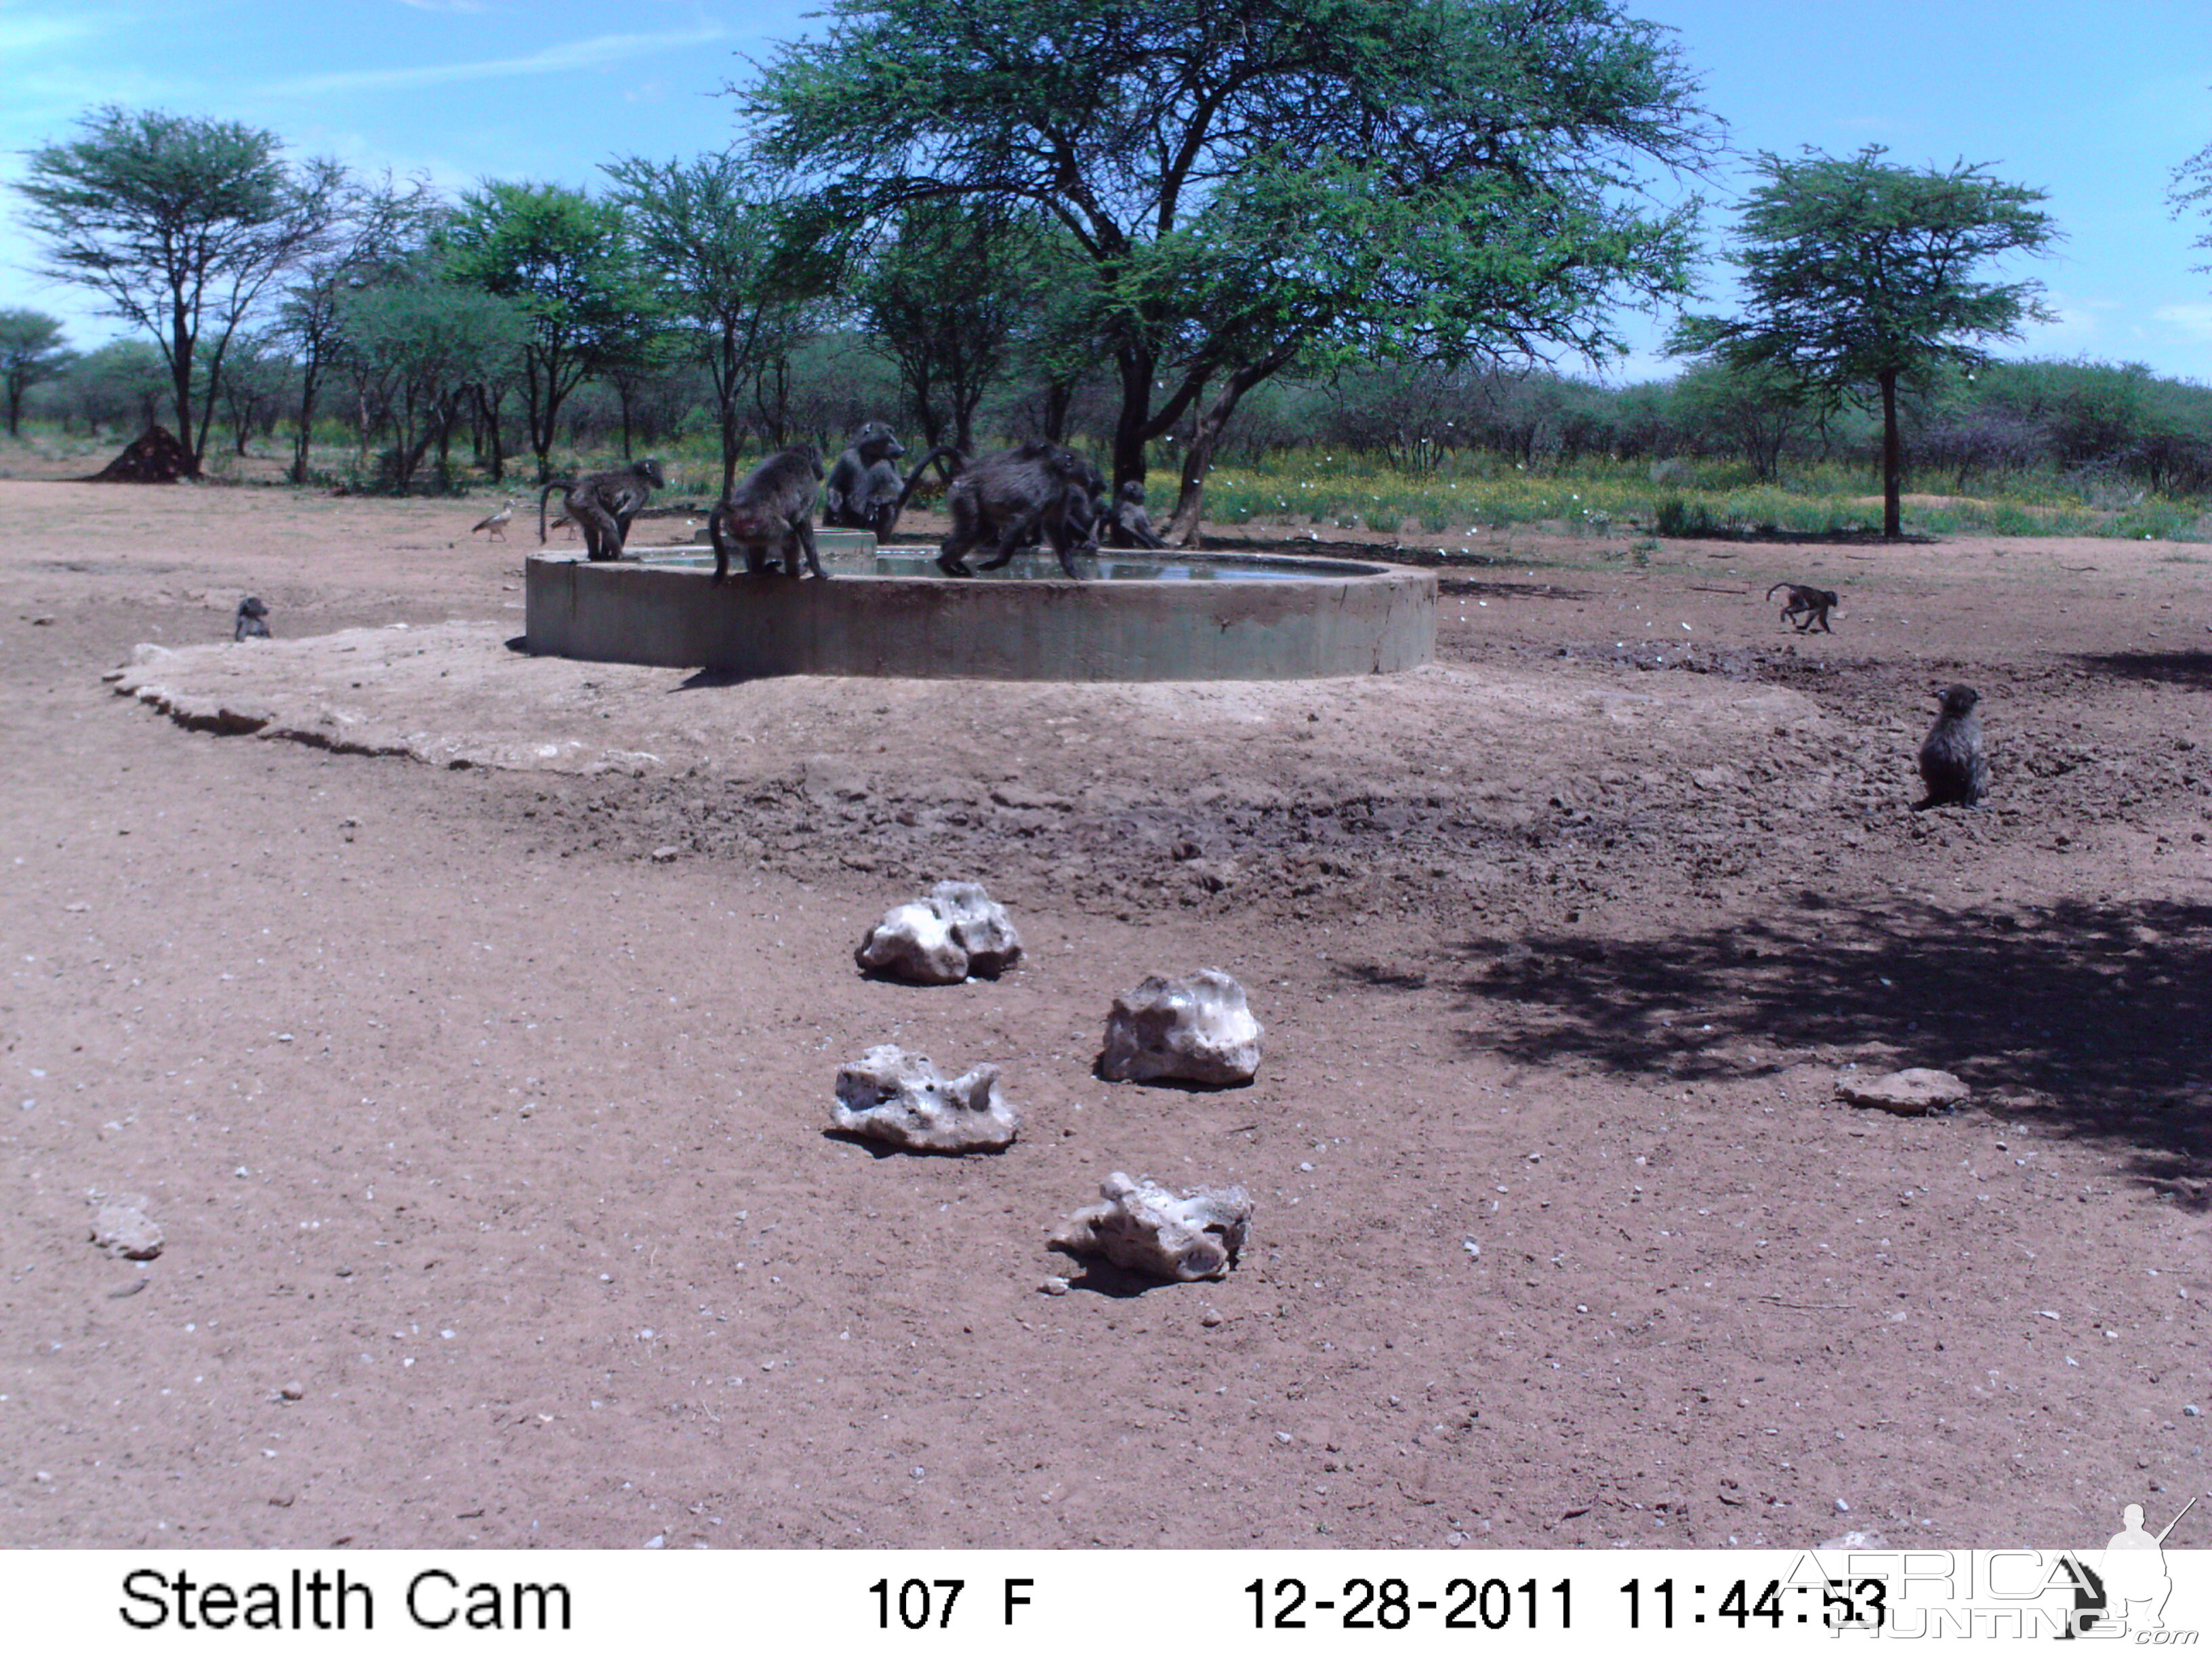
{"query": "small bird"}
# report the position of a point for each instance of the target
(497, 523)
(252, 621)
(1951, 762)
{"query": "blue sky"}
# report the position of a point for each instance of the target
(2095, 105)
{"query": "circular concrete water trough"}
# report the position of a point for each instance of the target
(1165, 617)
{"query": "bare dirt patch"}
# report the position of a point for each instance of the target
(502, 1143)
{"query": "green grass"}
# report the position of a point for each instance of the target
(1472, 493)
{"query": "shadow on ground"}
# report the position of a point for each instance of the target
(2093, 1019)
(2192, 669)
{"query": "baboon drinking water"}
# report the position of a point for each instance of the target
(770, 514)
(1951, 762)
(252, 620)
(1812, 605)
(1006, 496)
(602, 505)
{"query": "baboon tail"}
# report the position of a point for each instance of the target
(1777, 588)
(541, 494)
(946, 452)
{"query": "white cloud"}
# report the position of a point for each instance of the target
(2194, 321)
(575, 55)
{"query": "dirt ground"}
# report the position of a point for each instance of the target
(469, 1026)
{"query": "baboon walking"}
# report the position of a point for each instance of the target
(1006, 497)
(1952, 762)
(1812, 605)
(602, 505)
(770, 514)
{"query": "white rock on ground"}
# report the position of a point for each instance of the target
(121, 1227)
(1146, 1227)
(1198, 1030)
(957, 931)
(892, 1096)
(1913, 1093)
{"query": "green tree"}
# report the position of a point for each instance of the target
(418, 347)
(562, 258)
(180, 223)
(1860, 276)
(1255, 183)
(946, 299)
(31, 350)
(376, 227)
(732, 257)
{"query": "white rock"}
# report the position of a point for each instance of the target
(1147, 1228)
(1197, 1029)
(892, 1096)
(1912, 1092)
(958, 930)
(122, 1228)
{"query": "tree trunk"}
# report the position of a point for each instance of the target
(1893, 460)
(1205, 439)
(1136, 413)
(310, 380)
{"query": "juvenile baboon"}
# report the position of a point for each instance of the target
(1952, 763)
(1812, 605)
(497, 523)
(1127, 516)
(1005, 497)
(602, 504)
(770, 514)
(252, 621)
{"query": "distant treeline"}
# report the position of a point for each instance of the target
(2084, 423)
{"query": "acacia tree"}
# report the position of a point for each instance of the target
(180, 223)
(375, 229)
(945, 299)
(1860, 276)
(564, 259)
(31, 350)
(734, 260)
(1251, 183)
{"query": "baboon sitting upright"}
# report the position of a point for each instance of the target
(602, 505)
(1952, 762)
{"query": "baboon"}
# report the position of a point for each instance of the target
(770, 514)
(603, 504)
(864, 489)
(1086, 509)
(497, 523)
(1812, 605)
(1005, 497)
(1952, 763)
(1127, 516)
(252, 621)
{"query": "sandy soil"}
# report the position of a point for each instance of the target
(499, 1141)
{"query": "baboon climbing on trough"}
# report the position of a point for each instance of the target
(1810, 604)
(770, 514)
(602, 505)
(1952, 762)
(1004, 497)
